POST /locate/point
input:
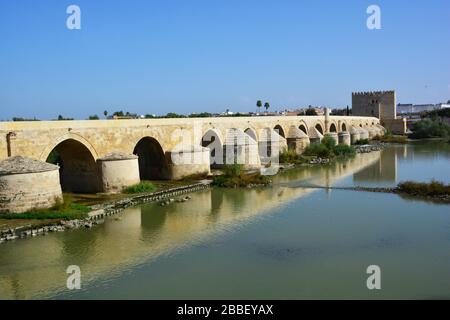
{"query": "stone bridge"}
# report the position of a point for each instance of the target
(79, 146)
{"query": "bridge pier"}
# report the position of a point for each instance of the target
(117, 171)
(315, 136)
(355, 135)
(188, 161)
(297, 140)
(28, 184)
(344, 138)
(241, 148)
(270, 145)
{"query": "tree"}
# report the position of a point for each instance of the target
(60, 117)
(311, 112)
(105, 113)
(259, 104)
(267, 106)
(94, 117)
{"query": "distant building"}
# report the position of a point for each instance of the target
(410, 109)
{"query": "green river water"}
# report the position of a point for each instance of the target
(281, 242)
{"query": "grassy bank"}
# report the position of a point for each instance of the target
(389, 137)
(141, 187)
(235, 177)
(65, 210)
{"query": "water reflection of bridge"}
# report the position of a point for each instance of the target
(33, 268)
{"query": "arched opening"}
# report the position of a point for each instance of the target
(360, 125)
(319, 128)
(344, 127)
(333, 128)
(251, 133)
(212, 141)
(279, 130)
(152, 161)
(77, 167)
(303, 128)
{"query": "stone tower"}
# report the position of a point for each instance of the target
(380, 104)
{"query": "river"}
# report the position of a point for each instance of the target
(281, 242)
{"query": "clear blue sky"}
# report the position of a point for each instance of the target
(206, 55)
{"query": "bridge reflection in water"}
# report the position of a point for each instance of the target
(36, 268)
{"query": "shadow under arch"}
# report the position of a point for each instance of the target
(77, 166)
(252, 133)
(303, 127)
(152, 160)
(319, 128)
(279, 130)
(333, 128)
(344, 127)
(211, 139)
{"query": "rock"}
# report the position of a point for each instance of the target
(11, 237)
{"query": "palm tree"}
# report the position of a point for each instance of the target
(259, 104)
(105, 113)
(267, 106)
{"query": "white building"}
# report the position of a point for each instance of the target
(404, 109)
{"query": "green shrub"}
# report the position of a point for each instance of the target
(318, 150)
(233, 170)
(362, 142)
(329, 142)
(344, 150)
(234, 177)
(243, 180)
(141, 187)
(289, 156)
(430, 129)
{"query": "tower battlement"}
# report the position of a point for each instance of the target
(372, 93)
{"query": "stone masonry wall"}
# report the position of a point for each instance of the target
(23, 192)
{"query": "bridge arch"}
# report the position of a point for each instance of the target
(252, 133)
(333, 127)
(320, 127)
(152, 160)
(212, 139)
(279, 129)
(77, 164)
(303, 126)
(69, 136)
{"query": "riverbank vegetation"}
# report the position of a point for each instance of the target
(327, 149)
(389, 137)
(431, 189)
(234, 176)
(362, 142)
(427, 128)
(141, 187)
(64, 210)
